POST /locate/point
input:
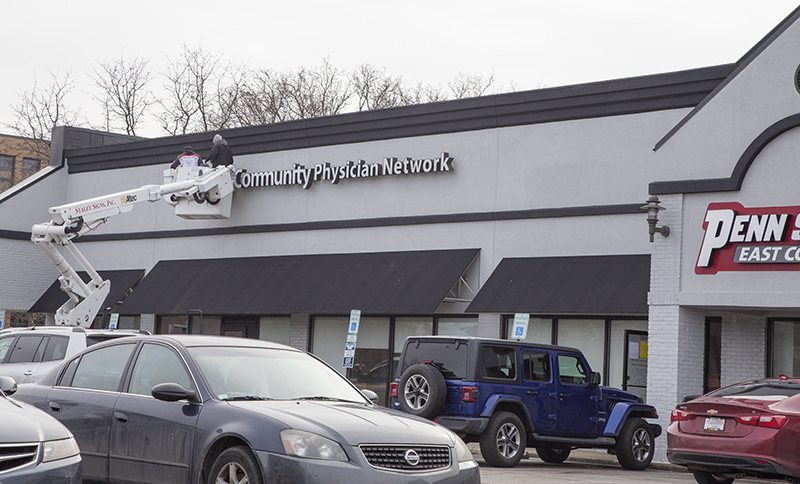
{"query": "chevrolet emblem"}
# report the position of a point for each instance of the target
(712, 411)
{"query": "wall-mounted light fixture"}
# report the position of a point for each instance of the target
(652, 208)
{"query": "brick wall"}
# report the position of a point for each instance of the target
(743, 348)
(29, 284)
(21, 148)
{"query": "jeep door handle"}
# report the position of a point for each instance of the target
(28, 372)
(121, 417)
(54, 406)
(532, 392)
(564, 395)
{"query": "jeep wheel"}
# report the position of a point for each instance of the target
(703, 477)
(635, 445)
(553, 454)
(422, 391)
(503, 441)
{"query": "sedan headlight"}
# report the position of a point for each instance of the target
(463, 454)
(60, 449)
(462, 451)
(311, 446)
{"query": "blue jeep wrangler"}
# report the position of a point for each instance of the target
(509, 395)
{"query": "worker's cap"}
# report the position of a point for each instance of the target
(188, 149)
(217, 138)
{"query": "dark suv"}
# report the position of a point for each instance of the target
(509, 395)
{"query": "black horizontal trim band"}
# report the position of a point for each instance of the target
(607, 98)
(586, 211)
(734, 182)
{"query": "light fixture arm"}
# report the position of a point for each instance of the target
(652, 206)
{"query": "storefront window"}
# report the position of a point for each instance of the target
(403, 328)
(458, 326)
(128, 322)
(785, 348)
(275, 329)
(371, 363)
(588, 335)
(540, 330)
(197, 325)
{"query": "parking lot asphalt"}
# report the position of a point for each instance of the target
(586, 466)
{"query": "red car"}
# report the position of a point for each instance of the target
(747, 429)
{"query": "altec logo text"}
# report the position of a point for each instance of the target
(749, 239)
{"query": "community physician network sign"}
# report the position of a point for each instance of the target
(306, 176)
(749, 239)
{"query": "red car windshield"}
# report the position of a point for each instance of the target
(769, 388)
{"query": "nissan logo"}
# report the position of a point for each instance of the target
(412, 457)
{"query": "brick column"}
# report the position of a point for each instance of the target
(676, 334)
(489, 325)
(147, 322)
(300, 331)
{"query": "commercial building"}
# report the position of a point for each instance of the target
(452, 217)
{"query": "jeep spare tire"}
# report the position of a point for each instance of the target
(422, 391)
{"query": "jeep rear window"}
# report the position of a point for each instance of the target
(449, 356)
(498, 362)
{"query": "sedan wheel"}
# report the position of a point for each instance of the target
(235, 466)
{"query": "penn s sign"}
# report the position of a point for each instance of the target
(749, 239)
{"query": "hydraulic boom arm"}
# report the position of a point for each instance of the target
(196, 192)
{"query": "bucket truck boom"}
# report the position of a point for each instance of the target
(195, 192)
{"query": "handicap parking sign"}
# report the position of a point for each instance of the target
(520, 328)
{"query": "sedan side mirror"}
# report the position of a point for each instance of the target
(594, 379)
(172, 392)
(8, 385)
(371, 396)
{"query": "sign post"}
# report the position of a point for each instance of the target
(520, 329)
(352, 337)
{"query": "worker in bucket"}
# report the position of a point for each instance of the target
(220, 153)
(187, 158)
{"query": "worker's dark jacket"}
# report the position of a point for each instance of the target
(220, 154)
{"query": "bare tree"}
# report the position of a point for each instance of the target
(463, 86)
(423, 93)
(263, 99)
(125, 96)
(374, 89)
(203, 92)
(316, 92)
(40, 110)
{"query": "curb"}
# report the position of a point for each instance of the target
(584, 456)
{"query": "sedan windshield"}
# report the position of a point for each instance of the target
(236, 373)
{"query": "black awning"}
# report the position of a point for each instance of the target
(599, 285)
(376, 283)
(121, 282)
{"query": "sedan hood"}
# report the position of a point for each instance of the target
(23, 423)
(352, 423)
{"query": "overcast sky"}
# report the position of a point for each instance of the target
(527, 44)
